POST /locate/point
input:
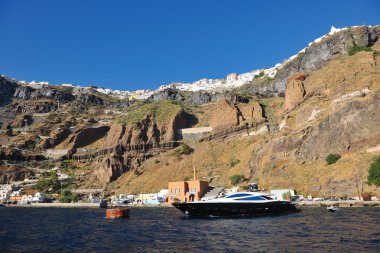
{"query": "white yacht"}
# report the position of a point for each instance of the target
(237, 204)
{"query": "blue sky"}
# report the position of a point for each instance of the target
(137, 44)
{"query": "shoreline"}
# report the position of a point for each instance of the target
(341, 203)
(81, 205)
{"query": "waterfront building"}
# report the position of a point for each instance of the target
(149, 198)
(39, 197)
(163, 195)
(5, 191)
(26, 199)
(187, 191)
(15, 197)
(279, 194)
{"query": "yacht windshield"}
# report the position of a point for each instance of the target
(237, 195)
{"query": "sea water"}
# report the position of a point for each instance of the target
(169, 230)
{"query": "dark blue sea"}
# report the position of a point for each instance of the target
(168, 230)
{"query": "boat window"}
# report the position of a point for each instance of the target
(238, 195)
(267, 197)
(253, 198)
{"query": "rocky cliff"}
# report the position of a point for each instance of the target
(318, 54)
(274, 130)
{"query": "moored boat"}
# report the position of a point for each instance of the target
(333, 208)
(237, 204)
(117, 213)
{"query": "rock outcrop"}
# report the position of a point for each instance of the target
(85, 136)
(252, 113)
(295, 91)
(89, 98)
(12, 174)
(7, 88)
(57, 136)
(22, 121)
(227, 114)
(26, 92)
(109, 169)
(167, 94)
(262, 88)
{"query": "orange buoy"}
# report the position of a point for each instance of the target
(117, 213)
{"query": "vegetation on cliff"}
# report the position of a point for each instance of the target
(161, 111)
(374, 172)
(356, 49)
(49, 183)
(332, 158)
(235, 179)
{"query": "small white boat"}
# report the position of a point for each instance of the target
(333, 208)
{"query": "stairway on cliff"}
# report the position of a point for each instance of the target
(213, 193)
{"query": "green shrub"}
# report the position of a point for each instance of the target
(332, 158)
(49, 183)
(45, 165)
(67, 165)
(162, 112)
(374, 172)
(186, 178)
(235, 179)
(287, 195)
(233, 162)
(355, 49)
(260, 74)
(156, 161)
(184, 149)
(67, 196)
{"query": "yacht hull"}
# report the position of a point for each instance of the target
(220, 209)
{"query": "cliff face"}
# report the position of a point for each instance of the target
(11, 174)
(24, 92)
(353, 127)
(321, 102)
(318, 54)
